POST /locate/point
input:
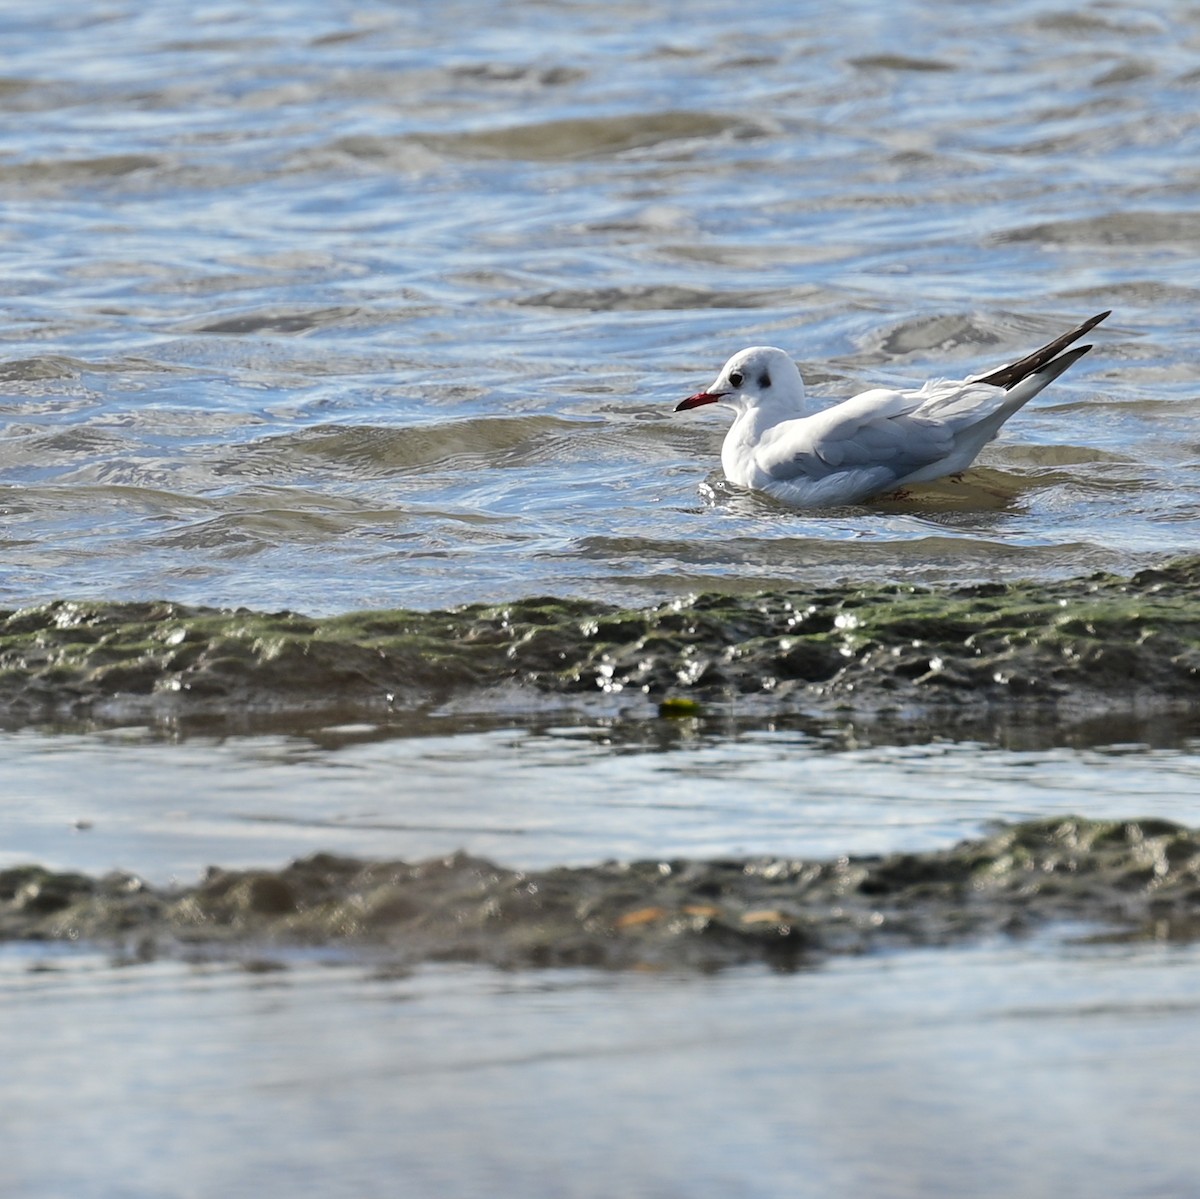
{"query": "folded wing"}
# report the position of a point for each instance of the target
(887, 435)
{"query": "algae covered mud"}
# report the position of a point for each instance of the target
(1101, 642)
(1136, 879)
(934, 661)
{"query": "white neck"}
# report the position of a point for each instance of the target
(745, 434)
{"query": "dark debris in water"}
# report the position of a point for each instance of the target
(1130, 879)
(1098, 643)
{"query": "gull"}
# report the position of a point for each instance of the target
(876, 442)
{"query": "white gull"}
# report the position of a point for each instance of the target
(875, 442)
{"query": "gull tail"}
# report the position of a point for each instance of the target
(1020, 393)
(1023, 380)
(1042, 361)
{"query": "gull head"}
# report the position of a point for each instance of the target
(760, 377)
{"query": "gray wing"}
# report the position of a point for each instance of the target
(876, 433)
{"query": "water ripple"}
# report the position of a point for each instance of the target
(399, 303)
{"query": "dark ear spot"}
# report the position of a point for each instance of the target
(764, 380)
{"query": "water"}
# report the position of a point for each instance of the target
(996, 1071)
(538, 794)
(329, 306)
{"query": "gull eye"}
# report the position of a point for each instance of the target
(736, 378)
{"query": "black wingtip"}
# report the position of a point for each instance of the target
(1009, 376)
(1056, 366)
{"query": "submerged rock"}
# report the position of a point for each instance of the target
(1130, 879)
(1102, 642)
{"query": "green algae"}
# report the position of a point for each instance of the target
(1124, 878)
(1103, 641)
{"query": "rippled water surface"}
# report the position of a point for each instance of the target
(330, 306)
(335, 306)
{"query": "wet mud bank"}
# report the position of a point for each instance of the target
(1124, 879)
(1100, 643)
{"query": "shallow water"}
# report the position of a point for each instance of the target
(334, 306)
(997, 1071)
(532, 796)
